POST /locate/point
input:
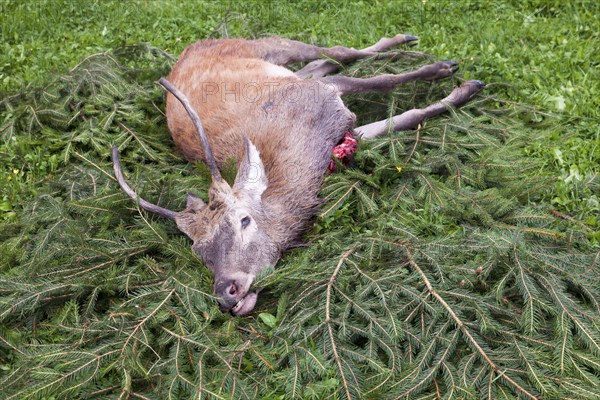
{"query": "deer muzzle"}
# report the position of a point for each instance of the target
(234, 296)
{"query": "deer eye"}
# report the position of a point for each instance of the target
(245, 222)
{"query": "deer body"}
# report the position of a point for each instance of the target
(281, 128)
(293, 123)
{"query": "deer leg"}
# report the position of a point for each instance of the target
(412, 118)
(282, 51)
(320, 68)
(385, 83)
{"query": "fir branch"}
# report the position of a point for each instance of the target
(328, 322)
(458, 282)
(466, 331)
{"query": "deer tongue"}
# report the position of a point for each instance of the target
(245, 305)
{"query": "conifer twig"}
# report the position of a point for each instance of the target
(570, 219)
(332, 280)
(6, 342)
(328, 319)
(146, 318)
(463, 327)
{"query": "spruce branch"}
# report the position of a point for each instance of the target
(328, 322)
(141, 324)
(465, 330)
(458, 281)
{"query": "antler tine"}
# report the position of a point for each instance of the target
(131, 193)
(210, 159)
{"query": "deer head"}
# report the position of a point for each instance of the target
(230, 233)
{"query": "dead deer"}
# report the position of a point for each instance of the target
(282, 127)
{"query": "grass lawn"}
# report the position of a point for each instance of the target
(460, 268)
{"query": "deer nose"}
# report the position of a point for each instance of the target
(229, 291)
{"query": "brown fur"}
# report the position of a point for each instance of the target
(294, 124)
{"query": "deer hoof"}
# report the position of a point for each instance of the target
(438, 70)
(410, 40)
(463, 93)
(476, 83)
(452, 66)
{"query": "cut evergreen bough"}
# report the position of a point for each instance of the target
(435, 267)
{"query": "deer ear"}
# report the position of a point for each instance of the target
(194, 203)
(251, 178)
(185, 223)
(186, 219)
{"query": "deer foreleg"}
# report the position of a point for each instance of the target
(412, 118)
(320, 68)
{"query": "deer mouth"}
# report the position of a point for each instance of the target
(245, 305)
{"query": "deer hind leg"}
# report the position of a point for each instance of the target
(412, 118)
(384, 83)
(282, 51)
(320, 68)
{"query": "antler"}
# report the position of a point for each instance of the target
(210, 159)
(214, 171)
(131, 193)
